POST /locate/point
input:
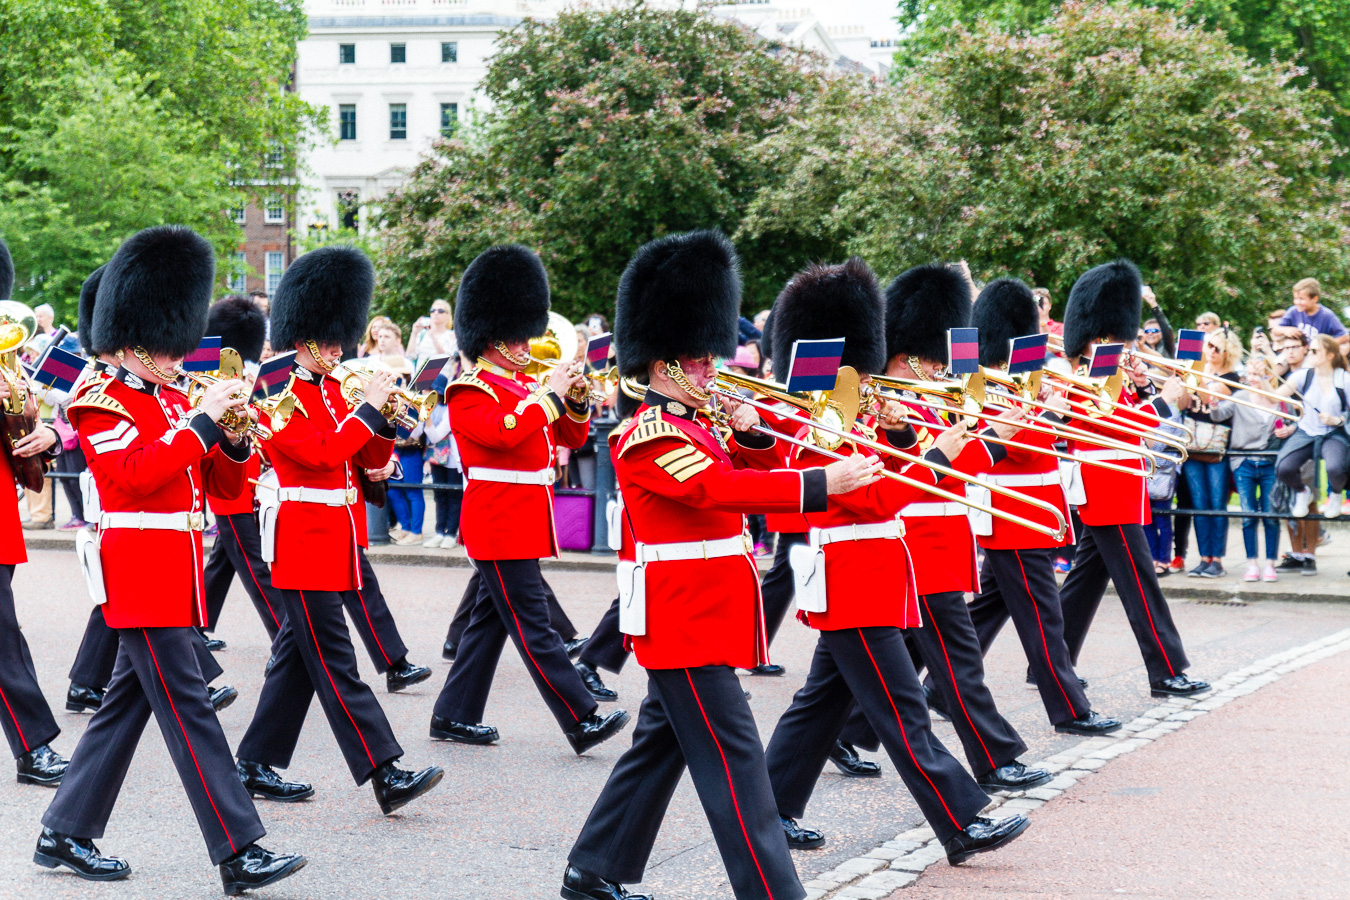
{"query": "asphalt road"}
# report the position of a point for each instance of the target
(500, 824)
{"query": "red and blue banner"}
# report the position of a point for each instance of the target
(1190, 344)
(206, 358)
(59, 369)
(963, 350)
(1105, 360)
(1027, 353)
(814, 365)
(597, 349)
(425, 376)
(274, 375)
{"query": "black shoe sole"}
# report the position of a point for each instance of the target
(72, 706)
(620, 723)
(235, 888)
(396, 686)
(1163, 695)
(448, 657)
(1001, 842)
(438, 734)
(225, 701)
(51, 862)
(262, 795)
(806, 845)
(26, 778)
(433, 780)
(613, 696)
(1088, 732)
(992, 788)
(849, 773)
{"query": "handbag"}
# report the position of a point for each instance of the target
(1210, 441)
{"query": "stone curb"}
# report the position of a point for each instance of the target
(899, 862)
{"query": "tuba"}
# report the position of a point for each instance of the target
(17, 325)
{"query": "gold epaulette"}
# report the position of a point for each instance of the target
(618, 430)
(471, 379)
(97, 399)
(649, 427)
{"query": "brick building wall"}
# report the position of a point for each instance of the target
(267, 246)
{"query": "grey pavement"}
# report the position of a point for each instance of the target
(502, 821)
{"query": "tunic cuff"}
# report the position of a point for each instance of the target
(997, 452)
(238, 452)
(578, 410)
(814, 495)
(207, 432)
(934, 455)
(901, 439)
(371, 417)
(753, 440)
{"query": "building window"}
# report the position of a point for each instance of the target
(347, 121)
(239, 215)
(276, 265)
(346, 54)
(275, 211)
(349, 210)
(276, 154)
(398, 53)
(239, 278)
(449, 118)
(398, 121)
(449, 51)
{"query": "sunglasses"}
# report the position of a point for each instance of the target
(440, 312)
(1152, 331)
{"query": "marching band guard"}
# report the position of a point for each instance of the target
(922, 305)
(97, 655)
(1018, 577)
(27, 719)
(506, 425)
(152, 455)
(694, 582)
(861, 650)
(319, 308)
(1104, 306)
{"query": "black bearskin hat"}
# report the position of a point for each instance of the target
(1005, 309)
(766, 336)
(503, 296)
(240, 323)
(155, 291)
(921, 304)
(839, 301)
(1105, 302)
(6, 272)
(84, 322)
(323, 297)
(624, 405)
(679, 296)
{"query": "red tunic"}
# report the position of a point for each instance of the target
(1023, 464)
(785, 523)
(319, 448)
(12, 548)
(679, 484)
(151, 452)
(1114, 498)
(501, 420)
(243, 504)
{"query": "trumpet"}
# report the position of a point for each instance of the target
(239, 423)
(597, 386)
(404, 407)
(846, 397)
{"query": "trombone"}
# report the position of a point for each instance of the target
(1191, 376)
(279, 410)
(404, 407)
(726, 383)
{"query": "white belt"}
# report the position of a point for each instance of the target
(321, 496)
(1024, 480)
(153, 521)
(681, 550)
(1107, 455)
(870, 532)
(512, 476)
(925, 510)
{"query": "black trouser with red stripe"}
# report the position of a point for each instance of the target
(777, 587)
(97, 655)
(557, 616)
(697, 718)
(605, 649)
(873, 666)
(372, 618)
(512, 601)
(238, 550)
(1119, 553)
(157, 673)
(314, 654)
(27, 718)
(1021, 584)
(948, 647)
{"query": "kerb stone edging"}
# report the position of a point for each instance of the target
(898, 863)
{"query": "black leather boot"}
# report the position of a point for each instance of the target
(575, 646)
(254, 867)
(846, 759)
(1013, 777)
(594, 730)
(591, 679)
(395, 787)
(79, 855)
(42, 766)
(448, 651)
(579, 885)
(1178, 686)
(264, 781)
(984, 835)
(1093, 724)
(461, 732)
(82, 697)
(800, 838)
(404, 674)
(221, 697)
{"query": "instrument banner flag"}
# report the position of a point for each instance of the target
(1190, 344)
(273, 376)
(59, 369)
(206, 358)
(963, 349)
(426, 375)
(814, 365)
(1105, 360)
(1027, 353)
(597, 349)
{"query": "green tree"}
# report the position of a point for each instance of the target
(1112, 131)
(1314, 33)
(606, 128)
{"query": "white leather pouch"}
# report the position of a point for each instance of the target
(808, 575)
(89, 497)
(86, 549)
(632, 598)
